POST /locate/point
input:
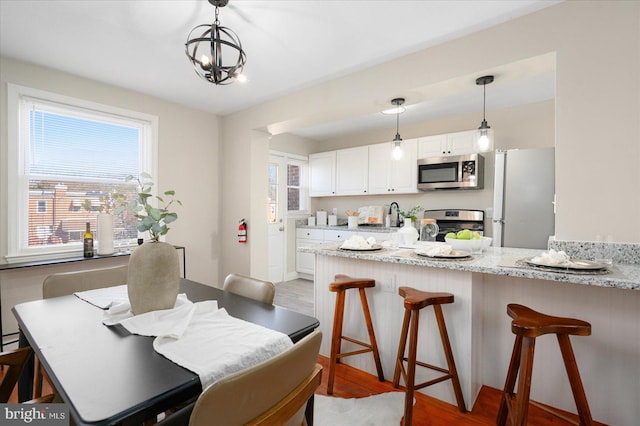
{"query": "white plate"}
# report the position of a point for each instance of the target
(455, 254)
(578, 264)
(372, 248)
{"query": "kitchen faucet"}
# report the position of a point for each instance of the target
(394, 219)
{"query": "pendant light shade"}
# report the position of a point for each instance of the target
(215, 51)
(483, 137)
(397, 152)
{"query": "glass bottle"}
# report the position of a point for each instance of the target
(88, 241)
(428, 230)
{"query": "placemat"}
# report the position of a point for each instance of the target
(521, 263)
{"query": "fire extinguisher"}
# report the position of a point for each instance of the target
(242, 232)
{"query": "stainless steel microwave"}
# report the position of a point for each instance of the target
(453, 172)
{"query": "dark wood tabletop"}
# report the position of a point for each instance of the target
(109, 376)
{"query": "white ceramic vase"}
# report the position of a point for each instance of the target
(153, 278)
(408, 232)
(105, 234)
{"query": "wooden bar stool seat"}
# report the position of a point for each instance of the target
(340, 286)
(414, 301)
(528, 324)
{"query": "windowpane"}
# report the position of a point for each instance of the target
(62, 145)
(293, 175)
(66, 219)
(272, 203)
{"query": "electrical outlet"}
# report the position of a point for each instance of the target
(389, 283)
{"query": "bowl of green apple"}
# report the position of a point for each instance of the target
(467, 240)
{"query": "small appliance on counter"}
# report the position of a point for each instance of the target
(371, 215)
(321, 218)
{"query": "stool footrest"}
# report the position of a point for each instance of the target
(346, 354)
(357, 342)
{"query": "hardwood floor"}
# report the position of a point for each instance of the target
(353, 383)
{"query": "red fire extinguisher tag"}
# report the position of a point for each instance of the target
(242, 232)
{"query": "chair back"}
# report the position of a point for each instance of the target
(67, 283)
(14, 360)
(273, 392)
(253, 288)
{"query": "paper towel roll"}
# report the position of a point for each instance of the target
(321, 218)
(105, 233)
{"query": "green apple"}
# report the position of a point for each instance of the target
(451, 235)
(465, 234)
(475, 235)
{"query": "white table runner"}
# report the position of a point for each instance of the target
(197, 336)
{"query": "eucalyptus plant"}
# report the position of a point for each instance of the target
(411, 214)
(150, 218)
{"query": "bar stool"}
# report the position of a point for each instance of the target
(414, 300)
(340, 286)
(528, 324)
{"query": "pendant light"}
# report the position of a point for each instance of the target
(397, 152)
(483, 137)
(205, 51)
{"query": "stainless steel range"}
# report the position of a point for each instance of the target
(456, 220)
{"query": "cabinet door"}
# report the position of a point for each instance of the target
(352, 171)
(404, 174)
(331, 235)
(322, 174)
(380, 168)
(461, 142)
(305, 262)
(432, 146)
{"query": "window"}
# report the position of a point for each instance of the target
(297, 200)
(42, 206)
(290, 196)
(64, 155)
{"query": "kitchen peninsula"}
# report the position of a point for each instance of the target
(479, 327)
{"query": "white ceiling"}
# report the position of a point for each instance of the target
(290, 45)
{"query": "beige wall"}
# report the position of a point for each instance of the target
(597, 109)
(187, 163)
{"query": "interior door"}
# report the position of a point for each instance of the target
(276, 209)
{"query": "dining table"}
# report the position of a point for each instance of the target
(107, 375)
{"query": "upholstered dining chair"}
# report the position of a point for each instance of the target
(15, 361)
(274, 392)
(65, 283)
(253, 288)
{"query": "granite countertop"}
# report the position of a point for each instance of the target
(494, 260)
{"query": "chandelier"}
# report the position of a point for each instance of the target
(397, 152)
(210, 45)
(483, 139)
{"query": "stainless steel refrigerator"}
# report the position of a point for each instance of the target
(524, 198)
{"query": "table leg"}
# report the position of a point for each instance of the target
(25, 381)
(308, 412)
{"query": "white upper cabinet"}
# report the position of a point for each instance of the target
(448, 144)
(352, 171)
(388, 176)
(322, 174)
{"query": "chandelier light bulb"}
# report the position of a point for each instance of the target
(483, 141)
(397, 153)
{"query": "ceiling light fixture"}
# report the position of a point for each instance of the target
(205, 51)
(397, 152)
(483, 139)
